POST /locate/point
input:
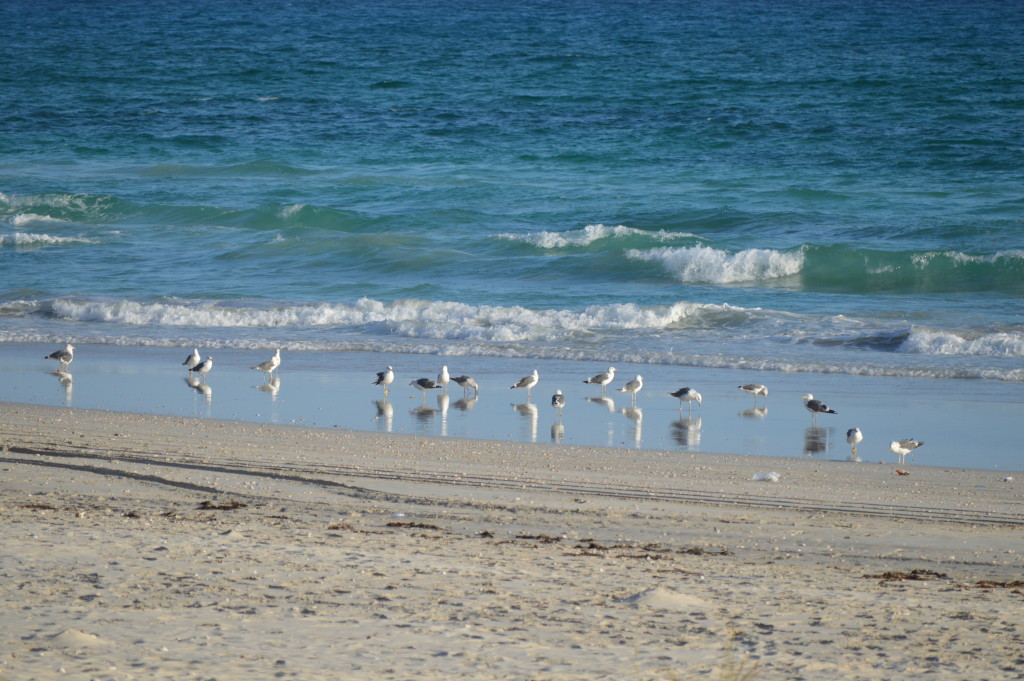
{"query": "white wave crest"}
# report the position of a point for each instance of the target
(28, 218)
(590, 234)
(937, 342)
(922, 260)
(703, 264)
(408, 318)
(21, 239)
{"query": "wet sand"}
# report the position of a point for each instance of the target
(165, 547)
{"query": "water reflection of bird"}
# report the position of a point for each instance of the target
(903, 447)
(273, 386)
(815, 441)
(466, 403)
(754, 413)
(385, 413)
(686, 431)
(607, 402)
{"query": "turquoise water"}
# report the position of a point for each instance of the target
(783, 187)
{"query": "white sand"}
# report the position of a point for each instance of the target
(147, 547)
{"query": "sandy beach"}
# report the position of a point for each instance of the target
(161, 547)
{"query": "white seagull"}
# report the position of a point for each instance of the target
(754, 389)
(192, 360)
(558, 401)
(270, 365)
(443, 378)
(467, 383)
(854, 437)
(204, 367)
(816, 406)
(384, 378)
(903, 447)
(603, 379)
(686, 395)
(63, 356)
(633, 387)
(527, 382)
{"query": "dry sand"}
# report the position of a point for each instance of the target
(149, 547)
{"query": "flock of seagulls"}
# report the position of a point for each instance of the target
(686, 395)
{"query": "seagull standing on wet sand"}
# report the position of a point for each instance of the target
(903, 447)
(603, 379)
(204, 367)
(467, 383)
(558, 401)
(270, 365)
(423, 385)
(443, 378)
(192, 360)
(686, 395)
(854, 437)
(754, 389)
(816, 407)
(385, 378)
(527, 382)
(633, 387)
(63, 356)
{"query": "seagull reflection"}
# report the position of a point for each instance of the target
(423, 413)
(687, 431)
(557, 432)
(636, 415)
(385, 414)
(200, 387)
(607, 402)
(815, 441)
(528, 410)
(271, 386)
(442, 404)
(466, 403)
(66, 381)
(754, 413)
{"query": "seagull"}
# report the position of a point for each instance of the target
(423, 385)
(527, 382)
(385, 378)
(816, 406)
(63, 356)
(192, 360)
(443, 378)
(903, 447)
(558, 401)
(854, 436)
(270, 365)
(204, 367)
(633, 387)
(686, 395)
(603, 379)
(755, 389)
(467, 383)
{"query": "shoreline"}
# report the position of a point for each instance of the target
(334, 390)
(167, 547)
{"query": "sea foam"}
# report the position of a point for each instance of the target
(703, 264)
(590, 234)
(22, 239)
(939, 342)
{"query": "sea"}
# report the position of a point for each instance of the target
(825, 188)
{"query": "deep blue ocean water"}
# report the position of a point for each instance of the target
(825, 187)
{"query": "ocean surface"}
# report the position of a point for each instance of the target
(785, 187)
